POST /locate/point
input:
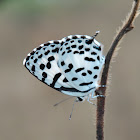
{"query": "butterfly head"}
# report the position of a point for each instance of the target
(90, 41)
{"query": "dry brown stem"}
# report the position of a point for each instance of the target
(127, 26)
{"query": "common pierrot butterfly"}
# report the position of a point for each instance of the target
(71, 65)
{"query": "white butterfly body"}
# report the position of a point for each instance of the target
(71, 65)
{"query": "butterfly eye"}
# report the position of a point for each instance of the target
(88, 42)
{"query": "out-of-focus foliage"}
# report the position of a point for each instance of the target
(41, 5)
(25, 10)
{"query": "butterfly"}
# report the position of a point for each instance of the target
(71, 65)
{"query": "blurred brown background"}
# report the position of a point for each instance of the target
(26, 104)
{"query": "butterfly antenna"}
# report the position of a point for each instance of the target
(62, 101)
(97, 32)
(72, 109)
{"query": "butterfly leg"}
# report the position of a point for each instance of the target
(88, 99)
(101, 86)
(72, 108)
(93, 96)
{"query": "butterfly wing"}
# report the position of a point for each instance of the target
(70, 65)
(81, 62)
(42, 62)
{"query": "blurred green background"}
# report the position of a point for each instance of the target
(26, 104)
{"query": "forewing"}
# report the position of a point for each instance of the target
(42, 63)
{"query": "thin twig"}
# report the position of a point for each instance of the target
(127, 26)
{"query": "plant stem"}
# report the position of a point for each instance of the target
(127, 26)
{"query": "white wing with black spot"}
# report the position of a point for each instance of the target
(81, 61)
(71, 65)
(42, 63)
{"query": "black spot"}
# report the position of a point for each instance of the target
(33, 68)
(51, 58)
(90, 72)
(81, 47)
(63, 53)
(65, 80)
(61, 49)
(32, 52)
(70, 66)
(81, 52)
(85, 84)
(74, 79)
(56, 42)
(69, 51)
(56, 77)
(28, 63)
(67, 39)
(79, 69)
(89, 41)
(44, 74)
(39, 48)
(43, 79)
(67, 48)
(35, 60)
(55, 50)
(72, 41)
(48, 65)
(62, 63)
(74, 37)
(84, 74)
(93, 53)
(27, 58)
(36, 76)
(44, 48)
(79, 41)
(67, 70)
(75, 52)
(97, 48)
(66, 44)
(62, 43)
(40, 56)
(32, 57)
(47, 44)
(42, 66)
(73, 46)
(89, 59)
(98, 57)
(52, 45)
(95, 76)
(47, 52)
(83, 37)
(96, 67)
(87, 49)
(79, 99)
(36, 52)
